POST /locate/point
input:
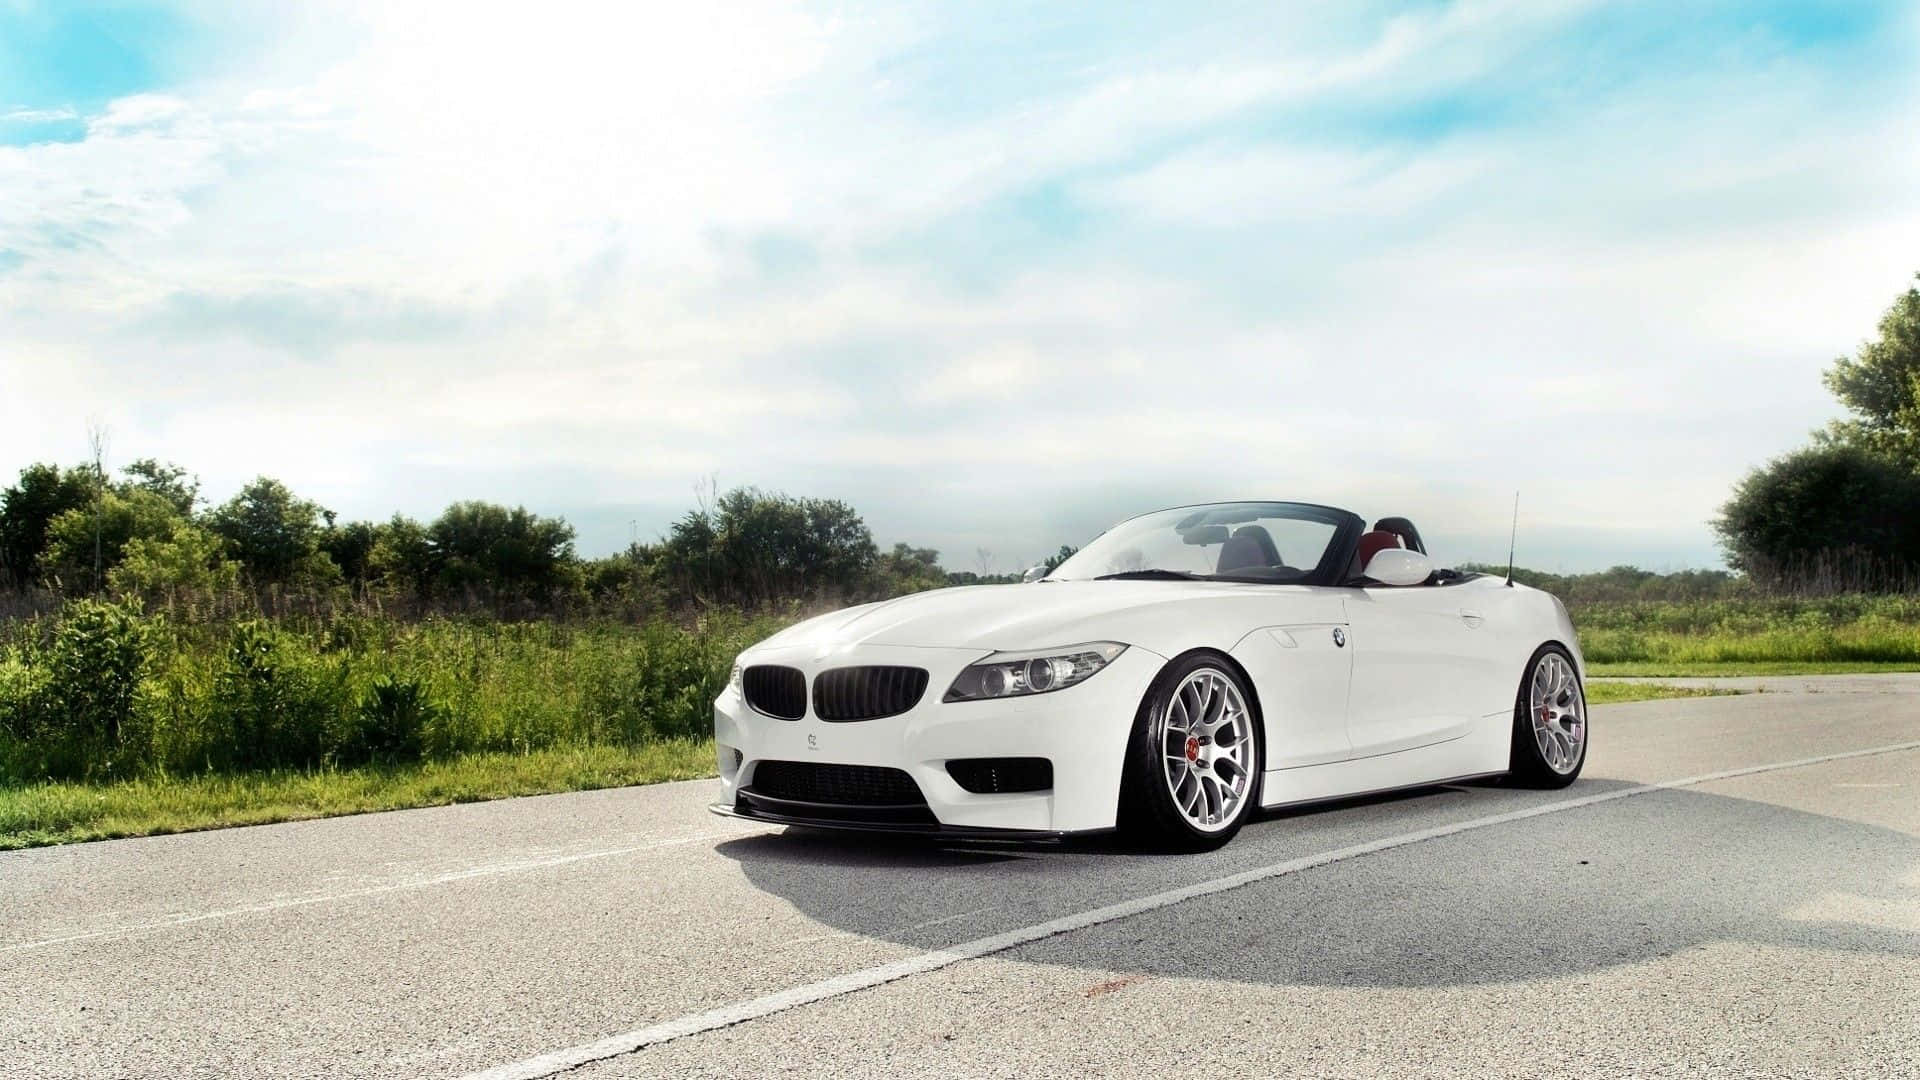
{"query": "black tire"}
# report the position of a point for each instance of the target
(1148, 812)
(1529, 765)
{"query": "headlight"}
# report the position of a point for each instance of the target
(1042, 671)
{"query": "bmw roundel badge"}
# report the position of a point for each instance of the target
(1339, 638)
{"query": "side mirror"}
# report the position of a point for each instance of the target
(1399, 566)
(1033, 574)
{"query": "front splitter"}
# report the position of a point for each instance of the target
(932, 832)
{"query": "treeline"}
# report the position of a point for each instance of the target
(1629, 585)
(1843, 514)
(147, 536)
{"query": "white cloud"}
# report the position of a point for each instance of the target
(406, 253)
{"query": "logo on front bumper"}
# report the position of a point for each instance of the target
(813, 741)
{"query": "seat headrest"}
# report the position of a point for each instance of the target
(1250, 546)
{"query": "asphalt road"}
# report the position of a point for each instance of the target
(1644, 922)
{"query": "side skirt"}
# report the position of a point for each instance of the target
(1483, 752)
(1383, 791)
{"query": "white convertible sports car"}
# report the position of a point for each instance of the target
(1183, 668)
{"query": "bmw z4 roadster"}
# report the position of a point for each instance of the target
(1182, 669)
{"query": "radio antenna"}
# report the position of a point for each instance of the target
(1512, 538)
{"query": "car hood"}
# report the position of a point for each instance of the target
(1007, 617)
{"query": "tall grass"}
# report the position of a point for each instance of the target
(1852, 628)
(98, 692)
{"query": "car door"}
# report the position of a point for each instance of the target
(1418, 656)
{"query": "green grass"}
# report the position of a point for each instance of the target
(66, 812)
(1671, 669)
(1616, 693)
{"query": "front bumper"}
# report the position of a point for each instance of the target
(1082, 730)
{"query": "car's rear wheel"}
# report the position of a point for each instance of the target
(1193, 764)
(1549, 721)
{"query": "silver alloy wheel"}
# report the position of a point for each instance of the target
(1206, 746)
(1559, 713)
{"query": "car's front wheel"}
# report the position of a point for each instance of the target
(1549, 722)
(1193, 763)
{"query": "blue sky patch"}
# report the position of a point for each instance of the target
(80, 56)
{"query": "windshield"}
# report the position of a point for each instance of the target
(1252, 541)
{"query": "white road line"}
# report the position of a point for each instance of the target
(352, 894)
(559, 1061)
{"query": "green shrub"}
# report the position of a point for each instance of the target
(19, 692)
(277, 703)
(74, 714)
(391, 724)
(188, 560)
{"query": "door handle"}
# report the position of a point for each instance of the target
(1471, 618)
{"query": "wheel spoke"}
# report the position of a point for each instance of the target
(1226, 732)
(1210, 712)
(1194, 797)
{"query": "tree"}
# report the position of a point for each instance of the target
(753, 547)
(1880, 385)
(188, 559)
(167, 480)
(350, 546)
(402, 557)
(273, 534)
(28, 508)
(1845, 514)
(625, 577)
(485, 544)
(102, 530)
(908, 569)
(1067, 551)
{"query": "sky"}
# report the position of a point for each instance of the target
(998, 275)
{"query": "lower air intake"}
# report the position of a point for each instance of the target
(806, 790)
(1002, 775)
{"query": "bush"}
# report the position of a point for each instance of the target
(19, 695)
(78, 708)
(1832, 518)
(391, 724)
(187, 562)
(277, 703)
(77, 536)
